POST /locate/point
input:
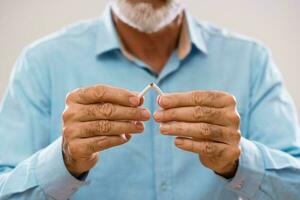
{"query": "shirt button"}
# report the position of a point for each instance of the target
(239, 185)
(163, 186)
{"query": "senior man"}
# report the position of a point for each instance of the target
(225, 128)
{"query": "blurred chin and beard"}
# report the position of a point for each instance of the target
(144, 16)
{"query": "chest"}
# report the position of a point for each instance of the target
(196, 72)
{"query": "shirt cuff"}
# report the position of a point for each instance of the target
(52, 174)
(250, 172)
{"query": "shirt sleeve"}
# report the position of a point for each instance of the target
(269, 166)
(31, 167)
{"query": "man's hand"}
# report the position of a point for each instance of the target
(98, 118)
(206, 123)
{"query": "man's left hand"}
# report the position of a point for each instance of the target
(206, 123)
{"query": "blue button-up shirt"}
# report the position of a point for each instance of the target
(149, 166)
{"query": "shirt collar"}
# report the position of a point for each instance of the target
(108, 38)
(196, 33)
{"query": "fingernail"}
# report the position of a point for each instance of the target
(139, 126)
(134, 101)
(158, 98)
(124, 137)
(128, 136)
(157, 115)
(179, 141)
(164, 101)
(164, 128)
(145, 114)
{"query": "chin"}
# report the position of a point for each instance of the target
(155, 3)
(145, 16)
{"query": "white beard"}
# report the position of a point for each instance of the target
(144, 17)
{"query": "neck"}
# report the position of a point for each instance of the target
(152, 48)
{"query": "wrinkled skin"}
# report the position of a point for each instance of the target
(98, 118)
(206, 123)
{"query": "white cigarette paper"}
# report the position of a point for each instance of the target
(142, 93)
(157, 89)
(148, 87)
(145, 90)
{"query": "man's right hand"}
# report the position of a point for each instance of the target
(97, 118)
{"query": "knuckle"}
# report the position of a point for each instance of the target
(229, 98)
(87, 132)
(91, 148)
(198, 113)
(72, 95)
(72, 149)
(100, 91)
(205, 130)
(209, 148)
(67, 114)
(196, 97)
(233, 153)
(67, 132)
(213, 95)
(238, 135)
(102, 141)
(236, 118)
(82, 92)
(233, 136)
(91, 111)
(104, 126)
(106, 109)
(232, 116)
(213, 113)
(69, 98)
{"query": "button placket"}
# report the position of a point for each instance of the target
(239, 185)
(161, 157)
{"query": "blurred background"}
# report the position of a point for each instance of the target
(275, 23)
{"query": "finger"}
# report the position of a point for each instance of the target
(82, 148)
(103, 93)
(219, 157)
(104, 128)
(142, 98)
(218, 116)
(204, 148)
(204, 131)
(107, 111)
(215, 99)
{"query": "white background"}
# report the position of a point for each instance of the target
(274, 22)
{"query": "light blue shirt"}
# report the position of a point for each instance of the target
(149, 166)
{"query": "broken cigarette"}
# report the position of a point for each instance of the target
(148, 87)
(145, 90)
(155, 87)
